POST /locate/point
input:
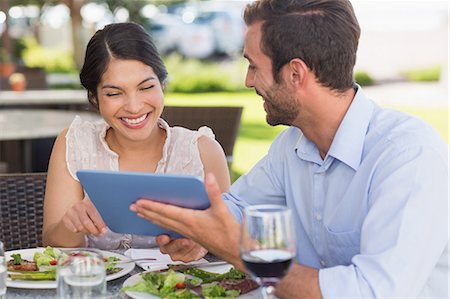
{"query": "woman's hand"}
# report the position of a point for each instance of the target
(83, 217)
(182, 249)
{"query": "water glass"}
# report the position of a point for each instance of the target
(81, 274)
(3, 272)
(267, 244)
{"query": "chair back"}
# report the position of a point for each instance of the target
(224, 121)
(22, 209)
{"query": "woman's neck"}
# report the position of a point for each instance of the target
(138, 155)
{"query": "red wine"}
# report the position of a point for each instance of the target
(268, 262)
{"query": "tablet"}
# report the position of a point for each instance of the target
(112, 193)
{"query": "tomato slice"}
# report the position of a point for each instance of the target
(180, 285)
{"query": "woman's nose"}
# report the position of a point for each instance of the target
(134, 103)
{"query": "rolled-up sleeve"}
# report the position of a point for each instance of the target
(263, 184)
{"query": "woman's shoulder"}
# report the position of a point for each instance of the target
(80, 124)
(84, 146)
(181, 150)
(85, 130)
(182, 134)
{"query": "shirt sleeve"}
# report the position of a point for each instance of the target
(263, 183)
(404, 236)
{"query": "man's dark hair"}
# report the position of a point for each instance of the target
(127, 41)
(322, 33)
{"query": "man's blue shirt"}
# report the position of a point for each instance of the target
(372, 215)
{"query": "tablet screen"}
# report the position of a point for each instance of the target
(112, 193)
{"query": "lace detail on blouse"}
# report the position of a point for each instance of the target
(86, 148)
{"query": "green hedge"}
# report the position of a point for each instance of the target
(428, 74)
(363, 78)
(189, 75)
(52, 60)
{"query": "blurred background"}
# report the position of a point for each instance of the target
(402, 60)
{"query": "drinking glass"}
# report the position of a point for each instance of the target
(81, 274)
(3, 272)
(267, 244)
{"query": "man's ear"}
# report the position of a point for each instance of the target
(298, 71)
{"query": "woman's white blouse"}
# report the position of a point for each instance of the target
(86, 148)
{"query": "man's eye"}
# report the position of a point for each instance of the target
(251, 67)
(112, 94)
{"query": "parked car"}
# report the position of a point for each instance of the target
(171, 34)
(227, 28)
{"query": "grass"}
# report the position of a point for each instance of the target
(256, 135)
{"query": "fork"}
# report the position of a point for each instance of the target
(129, 260)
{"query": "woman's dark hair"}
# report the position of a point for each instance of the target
(322, 33)
(121, 41)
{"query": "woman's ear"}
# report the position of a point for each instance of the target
(298, 71)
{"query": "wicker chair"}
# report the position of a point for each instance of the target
(224, 121)
(21, 209)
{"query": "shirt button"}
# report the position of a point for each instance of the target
(318, 217)
(322, 262)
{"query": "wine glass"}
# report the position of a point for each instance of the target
(81, 274)
(267, 244)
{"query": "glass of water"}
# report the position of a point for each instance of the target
(3, 272)
(81, 274)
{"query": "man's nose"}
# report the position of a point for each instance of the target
(249, 80)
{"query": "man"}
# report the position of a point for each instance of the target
(367, 186)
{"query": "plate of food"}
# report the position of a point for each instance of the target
(190, 281)
(35, 268)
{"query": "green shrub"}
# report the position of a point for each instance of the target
(52, 60)
(363, 78)
(429, 74)
(190, 75)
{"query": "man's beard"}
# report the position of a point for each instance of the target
(281, 107)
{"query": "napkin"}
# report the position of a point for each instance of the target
(161, 259)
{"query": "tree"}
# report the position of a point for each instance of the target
(133, 7)
(75, 6)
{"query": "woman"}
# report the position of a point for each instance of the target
(125, 78)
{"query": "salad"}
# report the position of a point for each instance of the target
(192, 282)
(43, 265)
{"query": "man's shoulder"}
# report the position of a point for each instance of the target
(389, 126)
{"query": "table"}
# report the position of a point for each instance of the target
(42, 97)
(113, 286)
(28, 124)
(45, 99)
(113, 290)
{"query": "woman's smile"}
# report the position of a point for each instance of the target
(135, 122)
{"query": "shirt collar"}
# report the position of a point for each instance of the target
(307, 150)
(348, 143)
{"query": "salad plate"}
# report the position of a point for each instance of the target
(132, 280)
(51, 284)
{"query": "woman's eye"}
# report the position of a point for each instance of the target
(112, 94)
(147, 87)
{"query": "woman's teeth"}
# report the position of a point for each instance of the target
(134, 121)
